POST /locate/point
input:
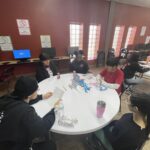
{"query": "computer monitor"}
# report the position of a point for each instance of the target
(73, 50)
(22, 54)
(50, 52)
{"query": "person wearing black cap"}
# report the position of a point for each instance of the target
(46, 68)
(20, 126)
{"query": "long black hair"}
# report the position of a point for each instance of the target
(142, 102)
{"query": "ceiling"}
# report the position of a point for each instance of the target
(143, 3)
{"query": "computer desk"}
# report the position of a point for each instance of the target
(32, 60)
(29, 66)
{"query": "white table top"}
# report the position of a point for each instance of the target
(145, 65)
(147, 74)
(81, 105)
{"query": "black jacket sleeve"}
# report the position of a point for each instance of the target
(53, 67)
(73, 66)
(41, 73)
(36, 126)
(39, 97)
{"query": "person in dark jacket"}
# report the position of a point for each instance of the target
(20, 126)
(131, 68)
(46, 68)
(132, 130)
(79, 65)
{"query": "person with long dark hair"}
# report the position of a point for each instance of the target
(46, 68)
(132, 130)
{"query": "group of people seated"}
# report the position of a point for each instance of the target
(47, 68)
(21, 128)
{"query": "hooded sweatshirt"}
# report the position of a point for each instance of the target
(19, 124)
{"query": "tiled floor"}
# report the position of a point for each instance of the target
(66, 142)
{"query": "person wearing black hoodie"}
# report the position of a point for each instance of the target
(79, 65)
(46, 68)
(20, 126)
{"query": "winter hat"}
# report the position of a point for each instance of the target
(25, 86)
(43, 57)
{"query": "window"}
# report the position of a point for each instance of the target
(76, 35)
(118, 35)
(130, 36)
(93, 44)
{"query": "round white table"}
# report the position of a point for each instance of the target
(81, 105)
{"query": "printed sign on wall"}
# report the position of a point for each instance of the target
(23, 26)
(147, 40)
(143, 30)
(45, 41)
(5, 43)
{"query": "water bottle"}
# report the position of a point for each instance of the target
(74, 74)
(58, 75)
(100, 108)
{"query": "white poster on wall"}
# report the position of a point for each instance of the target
(5, 43)
(24, 31)
(147, 40)
(45, 41)
(143, 30)
(23, 27)
(6, 47)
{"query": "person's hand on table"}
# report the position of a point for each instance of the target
(57, 103)
(99, 79)
(47, 95)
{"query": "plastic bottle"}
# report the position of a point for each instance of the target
(58, 75)
(74, 74)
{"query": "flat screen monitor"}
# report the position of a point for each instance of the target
(22, 54)
(50, 52)
(73, 50)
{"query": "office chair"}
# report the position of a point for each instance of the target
(123, 53)
(111, 53)
(140, 46)
(100, 58)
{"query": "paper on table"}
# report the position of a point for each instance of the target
(42, 108)
(57, 95)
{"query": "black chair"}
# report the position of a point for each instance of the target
(100, 58)
(147, 46)
(111, 54)
(140, 46)
(123, 53)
